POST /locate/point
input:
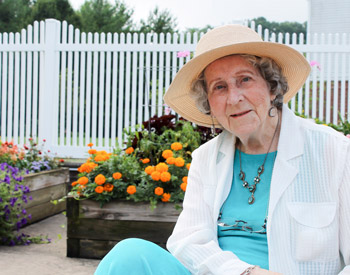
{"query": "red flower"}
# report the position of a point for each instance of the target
(61, 160)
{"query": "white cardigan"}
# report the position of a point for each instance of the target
(308, 229)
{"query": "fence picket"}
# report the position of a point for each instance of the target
(75, 90)
(28, 101)
(101, 92)
(114, 93)
(127, 87)
(108, 95)
(82, 98)
(121, 91)
(16, 94)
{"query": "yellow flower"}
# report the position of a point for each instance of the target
(176, 146)
(167, 154)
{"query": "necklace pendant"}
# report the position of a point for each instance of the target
(241, 175)
(245, 184)
(251, 200)
(252, 188)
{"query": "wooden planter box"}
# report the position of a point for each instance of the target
(93, 231)
(44, 187)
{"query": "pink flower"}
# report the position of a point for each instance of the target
(183, 54)
(167, 109)
(348, 135)
(315, 63)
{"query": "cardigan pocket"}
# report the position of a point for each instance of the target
(314, 231)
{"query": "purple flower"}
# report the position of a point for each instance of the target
(24, 211)
(13, 201)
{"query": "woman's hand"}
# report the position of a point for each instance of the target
(260, 271)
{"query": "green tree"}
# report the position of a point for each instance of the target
(283, 27)
(199, 30)
(101, 16)
(57, 9)
(14, 15)
(159, 22)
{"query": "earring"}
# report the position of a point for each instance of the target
(273, 111)
(212, 128)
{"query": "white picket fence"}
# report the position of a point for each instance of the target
(73, 88)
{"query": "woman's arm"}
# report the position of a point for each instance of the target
(344, 215)
(194, 240)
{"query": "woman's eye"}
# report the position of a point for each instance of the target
(245, 79)
(219, 87)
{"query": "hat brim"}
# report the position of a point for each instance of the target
(293, 64)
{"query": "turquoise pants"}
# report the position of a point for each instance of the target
(139, 257)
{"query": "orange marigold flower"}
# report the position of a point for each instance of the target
(162, 167)
(129, 150)
(146, 160)
(83, 180)
(131, 189)
(183, 186)
(74, 183)
(149, 170)
(166, 197)
(176, 146)
(87, 167)
(92, 151)
(167, 154)
(188, 165)
(155, 175)
(165, 176)
(100, 179)
(90, 145)
(117, 175)
(179, 162)
(99, 189)
(159, 191)
(184, 179)
(108, 187)
(100, 156)
(170, 160)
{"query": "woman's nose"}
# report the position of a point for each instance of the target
(234, 95)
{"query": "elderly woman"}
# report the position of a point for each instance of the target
(271, 193)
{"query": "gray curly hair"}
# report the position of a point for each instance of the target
(268, 69)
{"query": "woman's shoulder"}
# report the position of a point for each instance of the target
(313, 128)
(213, 145)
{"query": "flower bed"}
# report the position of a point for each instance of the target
(45, 187)
(92, 231)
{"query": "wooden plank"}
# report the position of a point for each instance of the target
(126, 210)
(45, 210)
(44, 179)
(95, 229)
(46, 194)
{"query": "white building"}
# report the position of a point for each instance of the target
(329, 16)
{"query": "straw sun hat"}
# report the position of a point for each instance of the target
(228, 40)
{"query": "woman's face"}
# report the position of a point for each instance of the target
(238, 96)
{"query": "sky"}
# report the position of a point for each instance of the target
(199, 13)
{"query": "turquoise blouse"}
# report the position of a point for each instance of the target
(241, 225)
